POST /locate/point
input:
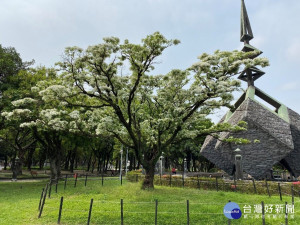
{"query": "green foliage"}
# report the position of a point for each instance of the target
(108, 90)
(147, 112)
(10, 65)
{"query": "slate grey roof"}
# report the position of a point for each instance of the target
(278, 133)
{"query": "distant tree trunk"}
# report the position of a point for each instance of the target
(167, 164)
(19, 166)
(14, 168)
(76, 163)
(89, 163)
(72, 159)
(30, 157)
(5, 162)
(117, 165)
(93, 165)
(99, 165)
(52, 143)
(41, 163)
(67, 160)
(107, 161)
(131, 162)
(194, 165)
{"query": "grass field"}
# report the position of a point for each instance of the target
(19, 204)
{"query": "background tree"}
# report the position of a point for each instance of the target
(10, 65)
(20, 139)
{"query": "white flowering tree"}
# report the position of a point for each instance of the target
(18, 140)
(144, 112)
(28, 119)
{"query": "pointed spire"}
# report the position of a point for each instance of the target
(246, 31)
(251, 74)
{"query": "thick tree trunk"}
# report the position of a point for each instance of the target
(149, 177)
(42, 157)
(99, 165)
(30, 157)
(16, 168)
(55, 168)
(19, 167)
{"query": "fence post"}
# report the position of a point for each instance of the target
(217, 185)
(137, 178)
(76, 175)
(41, 199)
(90, 212)
(198, 182)
(286, 215)
(66, 181)
(183, 179)
(160, 179)
(292, 192)
(44, 199)
(102, 179)
(188, 211)
(279, 190)
(49, 194)
(254, 186)
(235, 186)
(267, 185)
(60, 209)
(229, 220)
(121, 179)
(85, 180)
(122, 218)
(170, 180)
(156, 204)
(56, 187)
(263, 212)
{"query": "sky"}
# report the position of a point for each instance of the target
(41, 29)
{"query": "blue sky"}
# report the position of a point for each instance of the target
(41, 29)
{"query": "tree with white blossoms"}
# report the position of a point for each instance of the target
(19, 140)
(145, 112)
(47, 122)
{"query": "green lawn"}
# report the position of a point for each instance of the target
(19, 204)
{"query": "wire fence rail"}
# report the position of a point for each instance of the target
(155, 210)
(100, 208)
(243, 186)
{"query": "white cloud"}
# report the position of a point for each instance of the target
(293, 51)
(291, 86)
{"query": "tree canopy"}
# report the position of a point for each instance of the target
(109, 90)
